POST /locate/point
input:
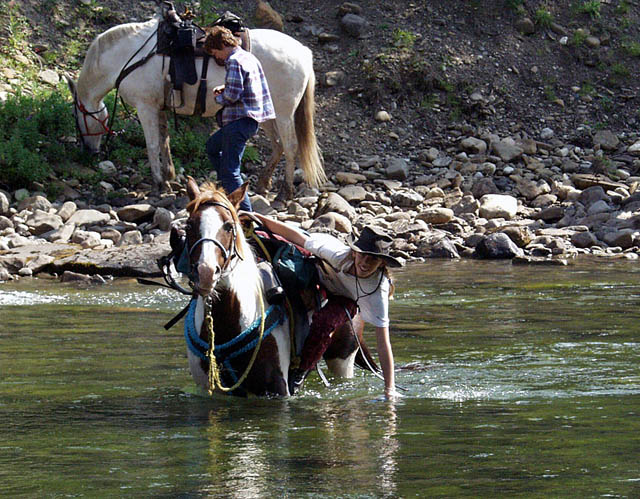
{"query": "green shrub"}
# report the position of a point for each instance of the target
(632, 48)
(543, 17)
(403, 38)
(30, 132)
(590, 7)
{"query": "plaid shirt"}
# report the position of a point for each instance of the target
(246, 93)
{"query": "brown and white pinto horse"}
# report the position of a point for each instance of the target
(228, 282)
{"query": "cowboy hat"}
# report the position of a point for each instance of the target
(372, 241)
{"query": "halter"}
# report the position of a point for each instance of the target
(91, 114)
(228, 254)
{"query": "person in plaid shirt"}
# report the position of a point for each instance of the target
(246, 102)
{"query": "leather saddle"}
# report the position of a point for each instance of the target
(182, 41)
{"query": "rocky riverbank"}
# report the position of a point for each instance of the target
(485, 196)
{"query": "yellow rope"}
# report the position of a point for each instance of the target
(214, 370)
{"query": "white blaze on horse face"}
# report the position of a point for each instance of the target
(209, 266)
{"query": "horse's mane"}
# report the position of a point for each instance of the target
(209, 193)
(106, 40)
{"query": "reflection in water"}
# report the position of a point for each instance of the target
(294, 447)
(388, 451)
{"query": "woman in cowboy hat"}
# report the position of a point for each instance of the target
(356, 277)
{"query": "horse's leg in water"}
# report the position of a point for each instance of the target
(266, 376)
(264, 181)
(342, 350)
(150, 121)
(166, 162)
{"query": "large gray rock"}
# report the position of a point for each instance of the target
(4, 203)
(397, 169)
(497, 246)
(436, 215)
(353, 193)
(507, 149)
(336, 203)
(34, 203)
(584, 239)
(333, 221)
(473, 145)
(407, 198)
(498, 206)
(67, 210)
(353, 24)
(40, 222)
(606, 139)
(83, 218)
(137, 213)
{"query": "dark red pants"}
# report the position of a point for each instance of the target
(324, 322)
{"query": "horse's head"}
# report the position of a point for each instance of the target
(214, 234)
(91, 123)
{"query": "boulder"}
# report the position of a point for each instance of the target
(497, 246)
(498, 206)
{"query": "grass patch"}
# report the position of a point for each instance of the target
(404, 39)
(578, 38)
(590, 7)
(632, 48)
(543, 17)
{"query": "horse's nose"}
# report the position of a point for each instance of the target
(207, 275)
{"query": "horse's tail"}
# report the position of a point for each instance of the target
(310, 158)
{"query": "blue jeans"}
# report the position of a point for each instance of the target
(225, 149)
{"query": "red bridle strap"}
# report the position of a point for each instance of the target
(91, 114)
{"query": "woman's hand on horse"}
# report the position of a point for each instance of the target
(248, 215)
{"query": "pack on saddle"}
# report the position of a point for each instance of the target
(182, 41)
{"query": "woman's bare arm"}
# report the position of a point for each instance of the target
(385, 353)
(282, 229)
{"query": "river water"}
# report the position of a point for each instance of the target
(521, 381)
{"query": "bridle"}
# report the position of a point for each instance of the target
(86, 115)
(228, 254)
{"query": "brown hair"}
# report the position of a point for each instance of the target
(218, 38)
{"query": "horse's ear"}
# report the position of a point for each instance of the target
(237, 196)
(193, 191)
(71, 83)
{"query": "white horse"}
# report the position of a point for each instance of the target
(252, 342)
(288, 67)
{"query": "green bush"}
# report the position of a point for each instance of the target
(543, 17)
(590, 7)
(30, 132)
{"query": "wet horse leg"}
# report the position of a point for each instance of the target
(264, 182)
(342, 350)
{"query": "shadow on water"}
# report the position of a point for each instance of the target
(521, 381)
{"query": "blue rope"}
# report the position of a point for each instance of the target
(191, 335)
(199, 347)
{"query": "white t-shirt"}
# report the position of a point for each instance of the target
(371, 293)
